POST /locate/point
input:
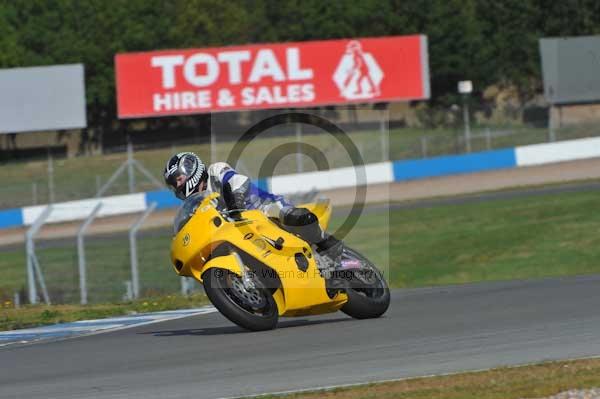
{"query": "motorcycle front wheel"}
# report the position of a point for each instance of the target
(253, 309)
(368, 292)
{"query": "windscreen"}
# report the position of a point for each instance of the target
(187, 211)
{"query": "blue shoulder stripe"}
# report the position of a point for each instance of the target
(228, 175)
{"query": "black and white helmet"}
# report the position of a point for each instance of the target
(193, 170)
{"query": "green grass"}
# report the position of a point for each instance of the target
(540, 236)
(36, 315)
(537, 381)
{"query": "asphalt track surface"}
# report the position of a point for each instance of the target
(426, 331)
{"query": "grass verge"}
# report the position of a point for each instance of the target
(539, 236)
(547, 235)
(38, 315)
(534, 381)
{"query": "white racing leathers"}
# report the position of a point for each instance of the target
(238, 191)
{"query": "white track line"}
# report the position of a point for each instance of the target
(97, 326)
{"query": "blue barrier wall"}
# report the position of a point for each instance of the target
(11, 218)
(263, 184)
(454, 164)
(163, 198)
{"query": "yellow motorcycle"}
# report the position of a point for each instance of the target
(254, 271)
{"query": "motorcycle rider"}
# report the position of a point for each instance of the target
(185, 174)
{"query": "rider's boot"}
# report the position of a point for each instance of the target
(330, 253)
(305, 224)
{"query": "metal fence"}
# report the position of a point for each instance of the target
(101, 268)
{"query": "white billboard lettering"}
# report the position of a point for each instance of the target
(295, 71)
(234, 60)
(186, 100)
(292, 93)
(266, 65)
(190, 70)
(203, 69)
(167, 63)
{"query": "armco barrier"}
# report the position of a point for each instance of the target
(385, 172)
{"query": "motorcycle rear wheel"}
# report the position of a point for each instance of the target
(254, 310)
(368, 292)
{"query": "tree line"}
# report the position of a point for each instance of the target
(486, 41)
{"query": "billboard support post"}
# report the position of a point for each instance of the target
(385, 138)
(130, 165)
(299, 160)
(34, 193)
(50, 178)
(213, 145)
(551, 127)
(424, 146)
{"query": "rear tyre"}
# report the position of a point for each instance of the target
(368, 293)
(252, 309)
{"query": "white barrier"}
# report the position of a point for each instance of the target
(79, 210)
(539, 154)
(335, 178)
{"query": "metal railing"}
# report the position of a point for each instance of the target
(50, 262)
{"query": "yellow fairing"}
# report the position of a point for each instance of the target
(255, 240)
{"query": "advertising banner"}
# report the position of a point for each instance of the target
(261, 76)
(570, 69)
(42, 98)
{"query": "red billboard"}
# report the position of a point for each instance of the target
(302, 74)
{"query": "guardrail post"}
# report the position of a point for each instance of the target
(81, 253)
(135, 277)
(32, 264)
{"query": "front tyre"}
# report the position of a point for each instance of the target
(368, 292)
(253, 309)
